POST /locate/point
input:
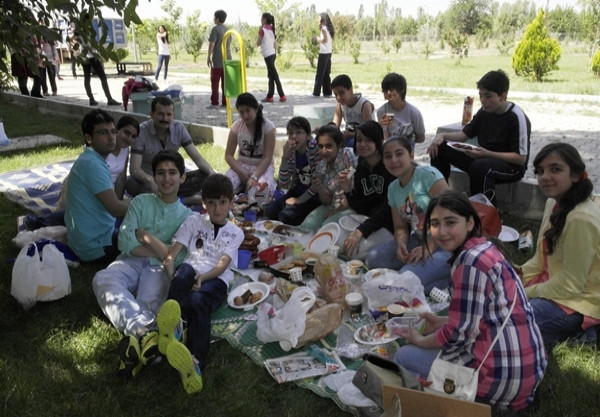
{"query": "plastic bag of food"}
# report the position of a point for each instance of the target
(330, 276)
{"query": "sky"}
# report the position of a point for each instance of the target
(251, 14)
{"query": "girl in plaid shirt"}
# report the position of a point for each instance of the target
(483, 286)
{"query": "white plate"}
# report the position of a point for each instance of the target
(252, 286)
(351, 221)
(324, 238)
(508, 234)
(461, 146)
(378, 272)
(370, 335)
(266, 226)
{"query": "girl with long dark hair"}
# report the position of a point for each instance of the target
(267, 40)
(164, 52)
(325, 40)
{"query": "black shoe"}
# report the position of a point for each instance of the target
(113, 102)
(93, 102)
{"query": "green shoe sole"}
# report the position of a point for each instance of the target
(167, 319)
(181, 359)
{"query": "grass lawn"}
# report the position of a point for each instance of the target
(60, 358)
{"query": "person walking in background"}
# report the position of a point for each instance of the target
(325, 39)
(47, 69)
(267, 40)
(164, 52)
(562, 279)
(215, 58)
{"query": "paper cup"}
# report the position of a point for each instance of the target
(354, 301)
(333, 250)
(296, 274)
(355, 266)
(395, 310)
(244, 257)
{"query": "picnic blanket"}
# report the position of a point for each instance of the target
(36, 189)
(238, 327)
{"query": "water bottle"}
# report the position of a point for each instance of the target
(467, 110)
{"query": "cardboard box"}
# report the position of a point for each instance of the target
(419, 404)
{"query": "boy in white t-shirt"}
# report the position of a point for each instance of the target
(199, 285)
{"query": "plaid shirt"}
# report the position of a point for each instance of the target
(344, 160)
(483, 286)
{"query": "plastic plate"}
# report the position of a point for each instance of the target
(252, 286)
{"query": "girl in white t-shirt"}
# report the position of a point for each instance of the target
(267, 40)
(254, 138)
(164, 52)
(325, 40)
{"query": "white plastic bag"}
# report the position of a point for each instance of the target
(35, 279)
(288, 324)
(394, 287)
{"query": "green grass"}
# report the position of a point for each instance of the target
(59, 358)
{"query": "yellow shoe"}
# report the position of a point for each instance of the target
(170, 327)
(182, 360)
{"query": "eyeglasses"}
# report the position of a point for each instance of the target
(105, 132)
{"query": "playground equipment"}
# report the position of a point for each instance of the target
(234, 71)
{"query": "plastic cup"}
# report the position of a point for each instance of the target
(250, 215)
(244, 257)
(296, 274)
(395, 310)
(277, 194)
(354, 301)
(334, 250)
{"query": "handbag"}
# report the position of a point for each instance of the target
(376, 371)
(458, 381)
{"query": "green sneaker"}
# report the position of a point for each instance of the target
(149, 347)
(129, 353)
(170, 327)
(182, 360)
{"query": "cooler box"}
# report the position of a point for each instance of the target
(141, 103)
(317, 114)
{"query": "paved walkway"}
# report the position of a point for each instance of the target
(571, 118)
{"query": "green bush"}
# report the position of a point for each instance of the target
(355, 50)
(537, 54)
(596, 64)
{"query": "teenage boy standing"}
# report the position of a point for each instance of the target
(215, 58)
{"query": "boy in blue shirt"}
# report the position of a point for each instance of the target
(199, 285)
(92, 204)
(132, 288)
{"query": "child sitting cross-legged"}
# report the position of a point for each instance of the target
(199, 285)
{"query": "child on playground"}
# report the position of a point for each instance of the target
(298, 163)
(199, 285)
(267, 40)
(254, 138)
(352, 108)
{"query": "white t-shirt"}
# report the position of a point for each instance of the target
(116, 164)
(163, 47)
(204, 250)
(267, 45)
(327, 47)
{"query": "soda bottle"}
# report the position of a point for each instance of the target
(526, 242)
(467, 110)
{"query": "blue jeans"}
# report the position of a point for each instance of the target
(435, 272)
(161, 59)
(555, 325)
(415, 359)
(196, 307)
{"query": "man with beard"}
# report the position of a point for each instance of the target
(162, 132)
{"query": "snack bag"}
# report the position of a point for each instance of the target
(328, 272)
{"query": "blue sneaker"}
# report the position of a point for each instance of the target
(170, 325)
(182, 360)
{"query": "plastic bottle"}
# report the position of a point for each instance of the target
(526, 242)
(467, 110)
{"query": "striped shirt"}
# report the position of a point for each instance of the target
(483, 286)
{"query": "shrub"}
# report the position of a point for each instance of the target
(596, 64)
(397, 43)
(355, 50)
(537, 54)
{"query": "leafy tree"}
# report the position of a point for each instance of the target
(505, 44)
(537, 54)
(397, 43)
(145, 36)
(468, 16)
(355, 50)
(564, 21)
(19, 22)
(459, 44)
(596, 64)
(194, 35)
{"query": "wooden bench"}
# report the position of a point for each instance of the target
(143, 68)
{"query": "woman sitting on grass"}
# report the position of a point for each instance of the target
(562, 279)
(254, 138)
(335, 158)
(482, 289)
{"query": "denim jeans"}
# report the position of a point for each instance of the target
(555, 325)
(196, 307)
(415, 359)
(161, 59)
(434, 273)
(292, 215)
